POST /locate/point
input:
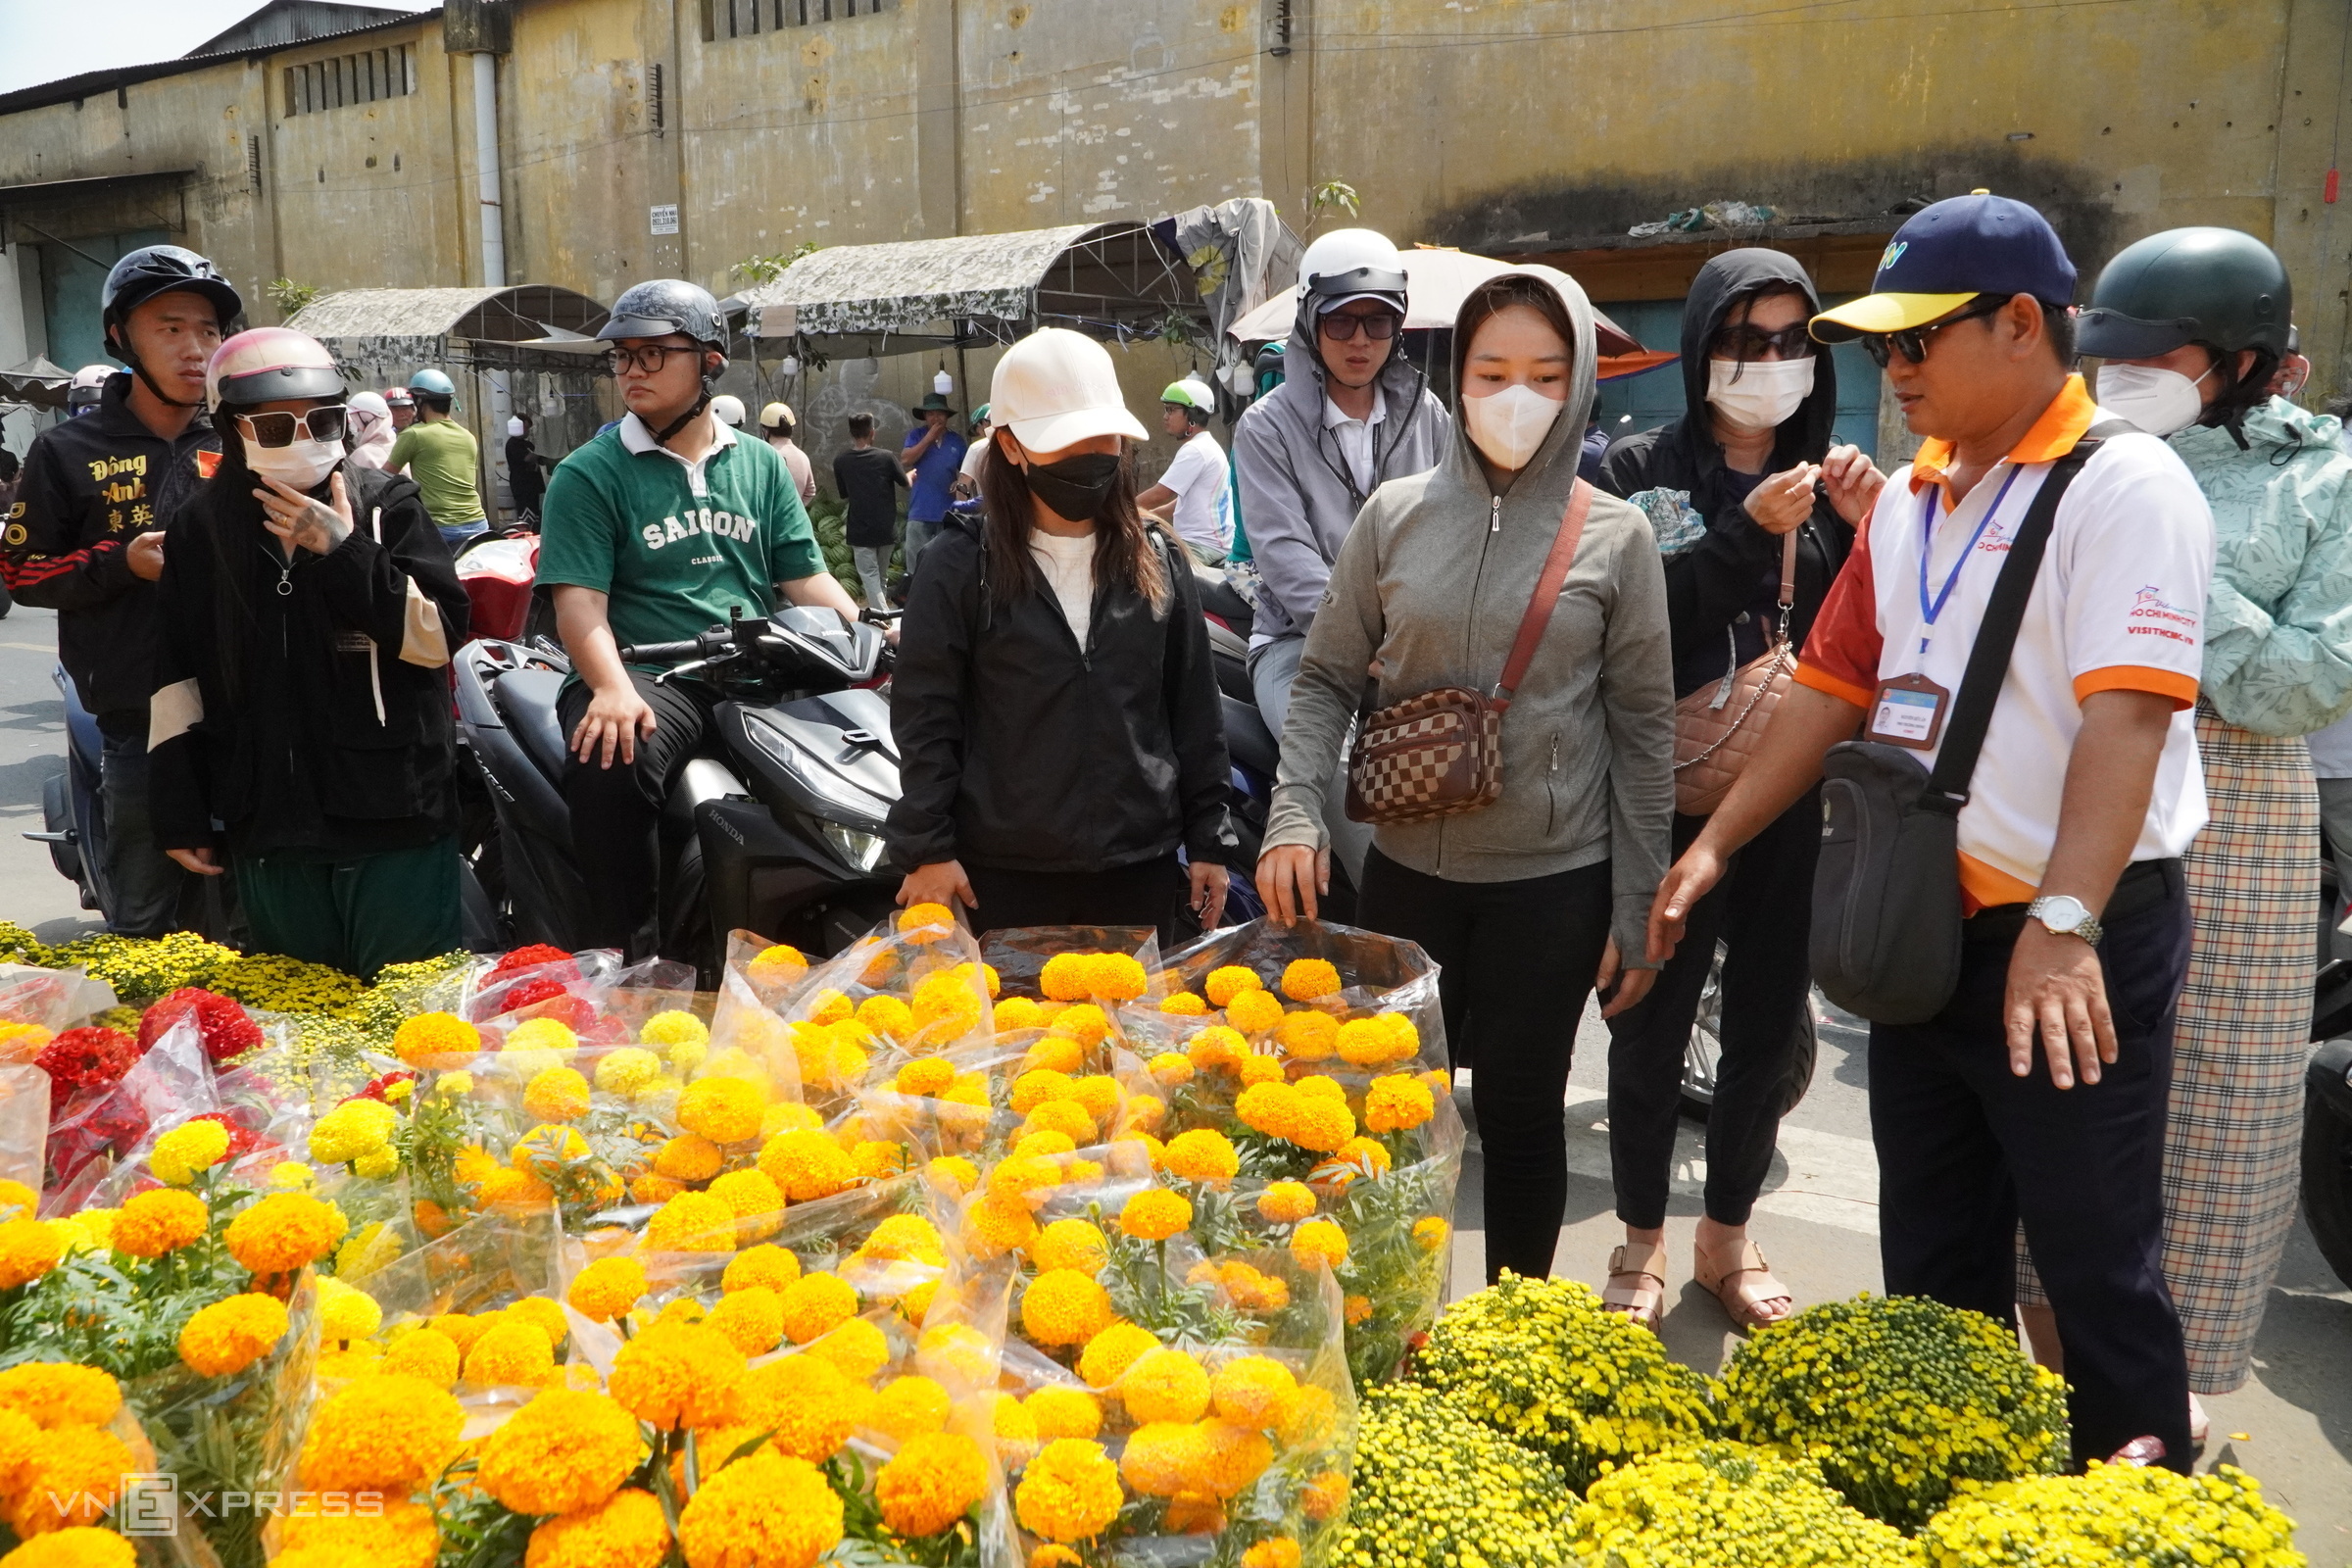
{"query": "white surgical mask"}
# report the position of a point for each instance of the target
(1761, 393)
(2157, 400)
(300, 464)
(1510, 424)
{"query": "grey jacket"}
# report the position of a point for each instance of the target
(1299, 498)
(1432, 582)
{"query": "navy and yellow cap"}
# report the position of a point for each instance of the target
(1947, 254)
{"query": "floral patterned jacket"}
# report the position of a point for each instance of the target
(2279, 619)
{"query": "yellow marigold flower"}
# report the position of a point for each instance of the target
(1233, 1457)
(280, 1233)
(1066, 977)
(815, 1305)
(1062, 1411)
(1052, 1556)
(512, 1353)
(1249, 1391)
(1319, 1238)
(626, 1070)
(1070, 1244)
(1275, 1551)
(426, 1354)
(1117, 977)
(1398, 1105)
(57, 1393)
(1016, 1012)
(688, 1158)
(1064, 1116)
(544, 1315)
(1184, 1004)
(1016, 1431)
(543, 1034)
(681, 1309)
(608, 1288)
(654, 1190)
(344, 1313)
(957, 1352)
(926, 1077)
(764, 1511)
(679, 1374)
(778, 961)
(1166, 1385)
(564, 1451)
(908, 1407)
(354, 1128)
(1365, 1042)
(1309, 1035)
(1154, 1215)
(807, 1164)
(453, 1085)
(627, 1530)
(904, 1236)
(1286, 1203)
(994, 1226)
(1036, 1086)
(856, 1349)
(1100, 1093)
(1356, 1310)
(1064, 1306)
(90, 1231)
(1431, 1233)
(1161, 1456)
(673, 1028)
(1215, 1046)
(1322, 1125)
(1083, 1022)
(1256, 1070)
(1172, 1068)
(435, 1040)
(810, 1405)
(1025, 1177)
(875, 1161)
(790, 1116)
(378, 1163)
(757, 1202)
(926, 922)
(829, 1006)
(187, 1148)
(1229, 982)
(151, 1224)
(75, 1546)
(726, 1111)
(692, 1222)
(462, 1329)
(1308, 1417)
(752, 1320)
(559, 1093)
(1145, 1110)
(1044, 1146)
(1254, 1013)
(382, 1433)
(71, 1477)
(1069, 1492)
(1203, 1155)
(765, 1266)
(1322, 1498)
(1305, 979)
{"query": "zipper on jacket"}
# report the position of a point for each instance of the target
(1495, 515)
(1552, 794)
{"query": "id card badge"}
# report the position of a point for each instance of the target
(1908, 711)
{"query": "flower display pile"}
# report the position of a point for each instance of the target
(1436, 1488)
(1727, 1505)
(2114, 1513)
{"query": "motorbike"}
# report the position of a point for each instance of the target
(775, 828)
(73, 824)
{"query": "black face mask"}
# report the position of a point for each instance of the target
(1075, 488)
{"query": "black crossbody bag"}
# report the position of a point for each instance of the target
(1887, 909)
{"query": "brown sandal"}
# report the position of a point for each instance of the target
(1643, 1262)
(1744, 1288)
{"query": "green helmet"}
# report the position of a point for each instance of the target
(1189, 394)
(2187, 285)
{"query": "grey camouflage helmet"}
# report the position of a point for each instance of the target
(663, 306)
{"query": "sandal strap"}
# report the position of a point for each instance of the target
(1646, 1263)
(1747, 1283)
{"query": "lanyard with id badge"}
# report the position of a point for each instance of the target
(1909, 710)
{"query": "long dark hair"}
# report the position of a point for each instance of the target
(1126, 555)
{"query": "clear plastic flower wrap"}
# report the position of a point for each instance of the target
(91, 1469)
(974, 1103)
(1077, 964)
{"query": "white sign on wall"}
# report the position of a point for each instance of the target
(666, 219)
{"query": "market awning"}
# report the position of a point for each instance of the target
(519, 314)
(1107, 280)
(36, 383)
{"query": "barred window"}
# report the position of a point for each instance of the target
(742, 18)
(354, 79)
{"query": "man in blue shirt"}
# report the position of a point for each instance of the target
(933, 453)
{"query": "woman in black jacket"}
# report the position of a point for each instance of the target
(1725, 485)
(1058, 727)
(308, 608)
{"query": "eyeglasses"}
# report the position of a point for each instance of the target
(649, 359)
(284, 429)
(1745, 342)
(1912, 341)
(1341, 325)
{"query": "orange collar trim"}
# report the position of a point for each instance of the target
(2071, 413)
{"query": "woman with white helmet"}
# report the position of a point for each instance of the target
(369, 419)
(308, 610)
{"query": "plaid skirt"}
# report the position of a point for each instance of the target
(2234, 1138)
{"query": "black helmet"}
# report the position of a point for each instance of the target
(2213, 286)
(164, 270)
(664, 306)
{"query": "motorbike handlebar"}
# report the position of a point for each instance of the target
(661, 653)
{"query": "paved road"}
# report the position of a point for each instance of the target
(33, 748)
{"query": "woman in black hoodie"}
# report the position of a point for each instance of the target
(1749, 465)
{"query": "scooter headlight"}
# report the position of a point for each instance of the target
(862, 849)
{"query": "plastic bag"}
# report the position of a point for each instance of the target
(171, 1083)
(23, 1123)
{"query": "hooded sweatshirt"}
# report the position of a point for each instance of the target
(1433, 582)
(1296, 488)
(371, 432)
(1723, 594)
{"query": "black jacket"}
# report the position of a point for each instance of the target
(316, 717)
(1735, 569)
(90, 486)
(1020, 750)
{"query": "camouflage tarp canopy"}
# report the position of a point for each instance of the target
(377, 327)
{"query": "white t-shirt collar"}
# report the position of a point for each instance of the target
(638, 437)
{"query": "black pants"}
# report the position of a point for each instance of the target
(1966, 1150)
(1762, 909)
(1151, 893)
(1516, 960)
(617, 813)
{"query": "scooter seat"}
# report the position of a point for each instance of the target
(1248, 740)
(526, 700)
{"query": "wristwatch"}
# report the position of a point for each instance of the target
(2065, 915)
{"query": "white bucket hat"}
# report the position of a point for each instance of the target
(1056, 388)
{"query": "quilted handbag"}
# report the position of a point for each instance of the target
(1718, 728)
(1441, 752)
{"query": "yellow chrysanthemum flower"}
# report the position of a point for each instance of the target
(626, 1070)
(692, 1222)
(1154, 1215)
(815, 1305)
(1069, 1492)
(435, 1040)
(152, 1223)
(232, 1334)
(679, 1374)
(627, 1530)
(765, 1266)
(564, 1451)
(380, 1433)
(764, 1511)
(346, 1312)
(1319, 1238)
(559, 1093)
(1062, 1411)
(426, 1354)
(283, 1232)
(1254, 1013)
(189, 1148)
(1203, 1155)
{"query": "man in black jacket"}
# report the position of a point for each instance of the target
(85, 538)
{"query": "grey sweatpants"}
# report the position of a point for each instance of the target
(874, 564)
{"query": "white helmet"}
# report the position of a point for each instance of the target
(1350, 264)
(87, 387)
(729, 409)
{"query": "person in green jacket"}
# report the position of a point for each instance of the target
(443, 458)
(2193, 324)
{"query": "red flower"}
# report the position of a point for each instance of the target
(221, 1023)
(531, 957)
(378, 1086)
(89, 1058)
(530, 993)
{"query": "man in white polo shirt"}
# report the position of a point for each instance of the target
(2038, 1090)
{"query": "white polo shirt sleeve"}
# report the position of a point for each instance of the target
(2135, 565)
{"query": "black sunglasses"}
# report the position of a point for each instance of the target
(1340, 325)
(1745, 342)
(649, 359)
(283, 429)
(1912, 341)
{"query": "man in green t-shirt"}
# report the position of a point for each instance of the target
(441, 456)
(653, 532)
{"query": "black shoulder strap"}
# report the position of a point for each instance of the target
(1996, 634)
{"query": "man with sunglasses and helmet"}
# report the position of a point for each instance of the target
(653, 532)
(85, 538)
(2038, 1092)
(300, 732)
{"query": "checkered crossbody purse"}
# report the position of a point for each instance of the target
(1441, 752)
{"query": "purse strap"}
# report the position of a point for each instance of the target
(1996, 635)
(1546, 597)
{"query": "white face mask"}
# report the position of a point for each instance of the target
(1510, 424)
(2157, 400)
(300, 463)
(1764, 393)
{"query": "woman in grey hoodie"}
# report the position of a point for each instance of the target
(1530, 902)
